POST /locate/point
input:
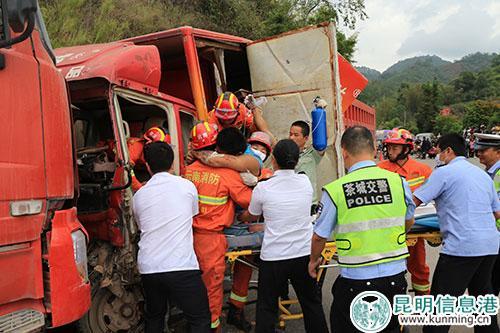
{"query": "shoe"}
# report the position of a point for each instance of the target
(236, 317)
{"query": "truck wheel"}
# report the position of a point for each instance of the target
(109, 313)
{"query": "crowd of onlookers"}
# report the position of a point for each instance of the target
(425, 147)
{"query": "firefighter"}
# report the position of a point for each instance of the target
(135, 148)
(219, 190)
(399, 144)
(228, 111)
(488, 151)
(368, 212)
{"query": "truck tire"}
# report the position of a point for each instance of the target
(108, 313)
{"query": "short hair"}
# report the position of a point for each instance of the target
(357, 140)
(286, 153)
(231, 141)
(454, 141)
(305, 129)
(159, 156)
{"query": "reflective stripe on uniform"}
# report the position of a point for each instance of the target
(213, 201)
(235, 297)
(421, 287)
(369, 225)
(215, 323)
(358, 260)
(416, 181)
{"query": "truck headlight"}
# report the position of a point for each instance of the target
(80, 253)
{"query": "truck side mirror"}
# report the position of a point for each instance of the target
(20, 12)
(21, 17)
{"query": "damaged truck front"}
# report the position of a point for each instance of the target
(171, 78)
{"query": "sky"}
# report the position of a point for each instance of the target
(400, 29)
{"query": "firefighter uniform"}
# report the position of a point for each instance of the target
(135, 150)
(416, 174)
(219, 189)
(365, 212)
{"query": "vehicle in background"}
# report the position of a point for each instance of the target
(43, 246)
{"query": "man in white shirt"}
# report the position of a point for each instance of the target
(164, 210)
(285, 202)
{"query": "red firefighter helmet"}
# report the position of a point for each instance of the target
(399, 136)
(203, 135)
(157, 134)
(226, 106)
(263, 138)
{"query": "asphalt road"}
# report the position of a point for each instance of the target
(298, 325)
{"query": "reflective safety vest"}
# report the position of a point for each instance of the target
(371, 211)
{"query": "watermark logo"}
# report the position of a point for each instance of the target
(370, 312)
(428, 310)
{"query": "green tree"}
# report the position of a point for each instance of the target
(430, 107)
(447, 124)
(480, 112)
(465, 86)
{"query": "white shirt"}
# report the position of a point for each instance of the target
(285, 201)
(164, 210)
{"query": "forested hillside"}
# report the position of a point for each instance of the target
(411, 93)
(74, 22)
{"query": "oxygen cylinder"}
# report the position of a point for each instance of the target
(318, 114)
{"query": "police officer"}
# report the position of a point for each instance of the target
(369, 211)
(488, 151)
(466, 204)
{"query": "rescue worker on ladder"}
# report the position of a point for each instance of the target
(488, 151)
(399, 144)
(368, 212)
(229, 112)
(219, 189)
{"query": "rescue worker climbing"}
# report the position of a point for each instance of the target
(135, 146)
(136, 149)
(228, 111)
(219, 189)
(399, 144)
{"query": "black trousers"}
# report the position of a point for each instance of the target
(453, 275)
(186, 289)
(345, 290)
(496, 276)
(272, 276)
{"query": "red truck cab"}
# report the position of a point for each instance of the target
(42, 244)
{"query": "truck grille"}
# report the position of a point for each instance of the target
(21, 321)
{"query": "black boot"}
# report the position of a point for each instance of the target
(236, 317)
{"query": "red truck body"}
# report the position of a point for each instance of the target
(41, 282)
(360, 114)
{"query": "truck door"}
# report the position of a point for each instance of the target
(291, 69)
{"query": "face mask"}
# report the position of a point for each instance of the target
(259, 154)
(439, 162)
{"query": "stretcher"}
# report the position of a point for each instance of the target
(242, 244)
